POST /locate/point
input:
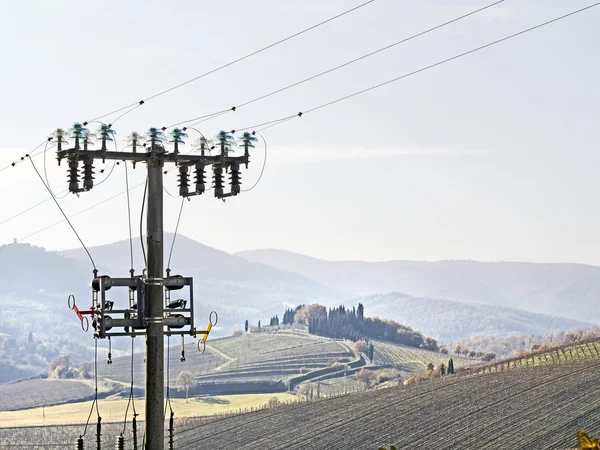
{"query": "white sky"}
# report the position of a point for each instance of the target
(491, 157)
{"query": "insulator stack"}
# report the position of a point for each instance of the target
(120, 444)
(74, 175)
(99, 434)
(88, 174)
(184, 181)
(134, 422)
(171, 433)
(200, 178)
(235, 178)
(80, 443)
(218, 181)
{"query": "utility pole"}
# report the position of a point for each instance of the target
(150, 307)
(154, 338)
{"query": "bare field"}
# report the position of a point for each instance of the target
(114, 409)
(541, 407)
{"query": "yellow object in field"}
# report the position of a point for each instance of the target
(585, 442)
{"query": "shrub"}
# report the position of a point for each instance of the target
(274, 402)
(361, 346)
(237, 333)
(365, 377)
(388, 375)
(303, 370)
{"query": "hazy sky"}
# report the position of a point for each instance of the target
(494, 156)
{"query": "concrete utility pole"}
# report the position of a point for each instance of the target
(155, 353)
(150, 307)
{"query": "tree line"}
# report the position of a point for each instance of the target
(351, 324)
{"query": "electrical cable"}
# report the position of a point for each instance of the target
(95, 402)
(262, 171)
(175, 235)
(431, 66)
(45, 171)
(131, 396)
(60, 195)
(142, 223)
(132, 270)
(249, 55)
(32, 153)
(276, 122)
(63, 213)
(168, 396)
(70, 217)
(348, 63)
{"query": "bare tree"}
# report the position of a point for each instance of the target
(185, 380)
(365, 377)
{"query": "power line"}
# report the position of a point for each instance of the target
(66, 191)
(431, 66)
(27, 155)
(265, 125)
(256, 52)
(63, 213)
(70, 217)
(206, 117)
(348, 63)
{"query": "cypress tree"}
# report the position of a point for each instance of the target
(246, 326)
(450, 367)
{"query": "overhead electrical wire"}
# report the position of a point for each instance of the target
(63, 213)
(206, 117)
(60, 196)
(333, 69)
(249, 55)
(279, 121)
(70, 217)
(25, 156)
(423, 69)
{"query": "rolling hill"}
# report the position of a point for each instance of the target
(448, 320)
(541, 407)
(566, 290)
(528, 408)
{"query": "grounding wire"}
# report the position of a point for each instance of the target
(423, 69)
(63, 213)
(249, 55)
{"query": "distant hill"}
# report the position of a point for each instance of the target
(567, 290)
(448, 320)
